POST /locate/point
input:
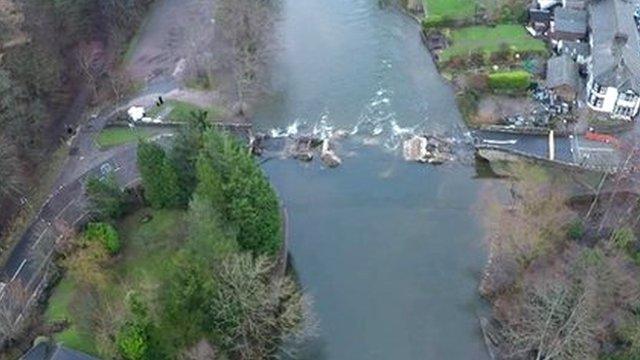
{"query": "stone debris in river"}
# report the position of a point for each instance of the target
(328, 156)
(303, 148)
(427, 149)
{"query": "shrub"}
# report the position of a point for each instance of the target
(576, 230)
(106, 234)
(624, 239)
(437, 21)
(478, 82)
(468, 104)
(510, 81)
(133, 341)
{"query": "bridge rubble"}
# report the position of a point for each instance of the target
(428, 149)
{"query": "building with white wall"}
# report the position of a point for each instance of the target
(613, 86)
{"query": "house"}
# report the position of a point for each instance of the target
(579, 51)
(563, 77)
(46, 350)
(613, 86)
(541, 13)
(569, 24)
(574, 4)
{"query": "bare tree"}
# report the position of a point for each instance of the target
(530, 224)
(246, 27)
(90, 62)
(553, 321)
(202, 350)
(255, 314)
(11, 176)
(13, 298)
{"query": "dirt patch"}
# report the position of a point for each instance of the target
(493, 108)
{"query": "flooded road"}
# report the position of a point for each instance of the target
(390, 251)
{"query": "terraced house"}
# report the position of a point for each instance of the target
(613, 86)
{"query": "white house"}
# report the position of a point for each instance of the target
(613, 86)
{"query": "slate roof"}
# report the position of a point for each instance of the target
(561, 71)
(616, 45)
(570, 21)
(47, 351)
(575, 49)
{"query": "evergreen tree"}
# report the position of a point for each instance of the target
(150, 162)
(185, 151)
(229, 177)
(108, 201)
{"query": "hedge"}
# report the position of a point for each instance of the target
(104, 233)
(509, 81)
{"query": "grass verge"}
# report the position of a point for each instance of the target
(115, 136)
(179, 111)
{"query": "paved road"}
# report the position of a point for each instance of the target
(68, 204)
(576, 149)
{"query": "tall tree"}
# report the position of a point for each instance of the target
(107, 199)
(159, 178)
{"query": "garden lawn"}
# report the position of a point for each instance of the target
(115, 136)
(489, 40)
(452, 9)
(148, 247)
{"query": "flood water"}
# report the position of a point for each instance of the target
(390, 251)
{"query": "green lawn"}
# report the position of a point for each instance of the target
(63, 307)
(453, 9)
(147, 247)
(115, 136)
(490, 39)
(146, 252)
(179, 111)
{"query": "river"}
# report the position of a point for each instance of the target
(390, 251)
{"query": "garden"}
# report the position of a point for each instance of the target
(187, 263)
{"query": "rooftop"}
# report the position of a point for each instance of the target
(570, 21)
(575, 49)
(48, 351)
(561, 71)
(616, 44)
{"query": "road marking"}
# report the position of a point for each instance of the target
(75, 222)
(66, 207)
(131, 182)
(596, 149)
(39, 238)
(19, 269)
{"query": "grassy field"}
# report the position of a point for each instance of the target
(179, 111)
(116, 136)
(146, 250)
(490, 39)
(453, 9)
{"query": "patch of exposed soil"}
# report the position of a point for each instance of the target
(494, 108)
